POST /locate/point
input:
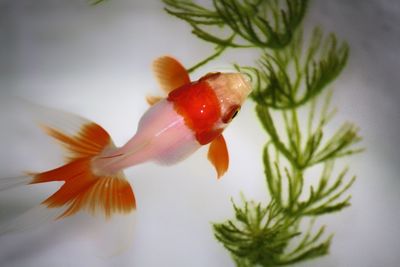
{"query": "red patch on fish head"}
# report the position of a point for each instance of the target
(200, 107)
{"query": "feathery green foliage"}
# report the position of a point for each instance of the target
(241, 23)
(260, 235)
(259, 23)
(292, 76)
(287, 79)
(96, 2)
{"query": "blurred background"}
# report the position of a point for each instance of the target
(96, 62)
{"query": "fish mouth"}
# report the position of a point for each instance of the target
(231, 88)
(241, 86)
(247, 82)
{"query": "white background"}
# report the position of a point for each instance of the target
(95, 61)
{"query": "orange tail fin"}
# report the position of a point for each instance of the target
(83, 190)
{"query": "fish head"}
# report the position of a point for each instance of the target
(231, 89)
(209, 104)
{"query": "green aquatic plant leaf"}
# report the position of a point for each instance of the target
(259, 236)
(246, 23)
(193, 13)
(304, 146)
(325, 197)
(96, 2)
(310, 246)
(313, 68)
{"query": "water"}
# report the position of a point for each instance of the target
(95, 61)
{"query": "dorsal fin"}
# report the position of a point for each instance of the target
(170, 73)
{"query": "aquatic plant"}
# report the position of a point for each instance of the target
(288, 79)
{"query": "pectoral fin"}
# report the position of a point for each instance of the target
(218, 155)
(151, 100)
(170, 73)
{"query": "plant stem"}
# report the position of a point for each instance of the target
(219, 51)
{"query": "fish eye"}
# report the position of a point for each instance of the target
(234, 114)
(231, 114)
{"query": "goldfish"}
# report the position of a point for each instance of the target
(191, 115)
